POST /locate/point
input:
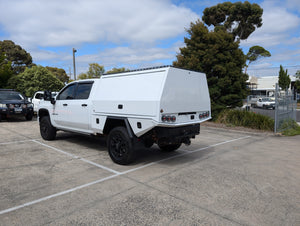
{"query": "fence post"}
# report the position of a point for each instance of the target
(276, 108)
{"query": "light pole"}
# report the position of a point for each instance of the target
(74, 51)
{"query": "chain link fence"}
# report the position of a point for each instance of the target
(285, 108)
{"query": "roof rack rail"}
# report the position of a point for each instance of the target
(150, 68)
(141, 69)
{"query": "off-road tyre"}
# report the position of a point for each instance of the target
(120, 146)
(48, 132)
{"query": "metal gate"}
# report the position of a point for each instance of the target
(286, 107)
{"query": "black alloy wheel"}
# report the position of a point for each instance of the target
(120, 146)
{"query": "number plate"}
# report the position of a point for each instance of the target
(18, 110)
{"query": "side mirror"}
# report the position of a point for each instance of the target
(48, 97)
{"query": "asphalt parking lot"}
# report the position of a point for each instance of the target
(224, 177)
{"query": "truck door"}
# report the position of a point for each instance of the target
(71, 109)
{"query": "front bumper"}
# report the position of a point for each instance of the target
(16, 111)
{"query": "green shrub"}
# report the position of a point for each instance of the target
(289, 128)
(246, 119)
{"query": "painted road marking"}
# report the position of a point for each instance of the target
(109, 177)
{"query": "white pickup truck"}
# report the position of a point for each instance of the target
(134, 109)
(265, 102)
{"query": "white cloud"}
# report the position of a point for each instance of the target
(279, 35)
(70, 22)
(293, 5)
(128, 56)
(278, 24)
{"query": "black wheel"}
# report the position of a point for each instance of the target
(169, 147)
(29, 116)
(120, 147)
(48, 132)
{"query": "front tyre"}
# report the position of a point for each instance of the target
(120, 147)
(48, 132)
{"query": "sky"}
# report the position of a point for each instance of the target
(137, 33)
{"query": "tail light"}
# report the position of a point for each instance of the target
(168, 118)
(203, 115)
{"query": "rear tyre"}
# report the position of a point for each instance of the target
(169, 147)
(120, 147)
(48, 132)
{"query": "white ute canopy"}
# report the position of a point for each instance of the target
(134, 110)
(165, 96)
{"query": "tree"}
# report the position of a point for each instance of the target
(82, 76)
(5, 70)
(283, 79)
(117, 70)
(95, 70)
(216, 52)
(18, 57)
(219, 56)
(255, 53)
(297, 82)
(35, 79)
(59, 73)
(239, 19)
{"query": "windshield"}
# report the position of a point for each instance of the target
(10, 96)
(266, 99)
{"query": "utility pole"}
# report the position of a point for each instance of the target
(74, 51)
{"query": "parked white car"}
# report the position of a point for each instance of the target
(37, 97)
(265, 102)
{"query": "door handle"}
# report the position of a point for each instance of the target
(65, 104)
(84, 105)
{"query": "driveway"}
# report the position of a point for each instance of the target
(223, 178)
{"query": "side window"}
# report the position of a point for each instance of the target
(67, 93)
(39, 96)
(83, 90)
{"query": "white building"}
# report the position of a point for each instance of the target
(265, 86)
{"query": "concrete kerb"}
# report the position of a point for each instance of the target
(214, 126)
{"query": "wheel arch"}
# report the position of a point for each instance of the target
(113, 122)
(43, 112)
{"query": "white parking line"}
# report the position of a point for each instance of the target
(15, 142)
(57, 194)
(185, 153)
(109, 177)
(79, 158)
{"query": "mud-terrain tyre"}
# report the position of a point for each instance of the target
(169, 147)
(48, 132)
(121, 148)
